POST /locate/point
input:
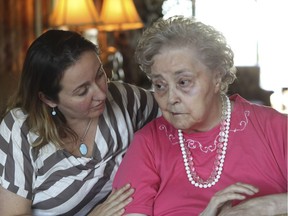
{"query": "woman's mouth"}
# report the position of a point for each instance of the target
(99, 105)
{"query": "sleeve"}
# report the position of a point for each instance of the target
(272, 126)
(16, 170)
(147, 107)
(276, 133)
(139, 103)
(138, 168)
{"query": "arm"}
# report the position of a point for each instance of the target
(221, 203)
(14, 157)
(13, 204)
(139, 170)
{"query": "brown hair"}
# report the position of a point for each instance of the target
(46, 60)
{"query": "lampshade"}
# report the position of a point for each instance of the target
(74, 14)
(119, 15)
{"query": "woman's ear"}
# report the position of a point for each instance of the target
(217, 80)
(46, 100)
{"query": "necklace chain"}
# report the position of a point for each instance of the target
(192, 175)
(86, 131)
(83, 147)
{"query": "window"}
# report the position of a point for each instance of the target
(256, 30)
(177, 7)
(235, 19)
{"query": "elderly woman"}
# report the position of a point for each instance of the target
(208, 153)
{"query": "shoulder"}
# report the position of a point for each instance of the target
(153, 126)
(157, 129)
(131, 97)
(265, 121)
(261, 112)
(149, 139)
(13, 128)
(15, 132)
(14, 118)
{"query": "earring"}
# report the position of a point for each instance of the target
(53, 112)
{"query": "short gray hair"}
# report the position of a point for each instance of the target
(210, 44)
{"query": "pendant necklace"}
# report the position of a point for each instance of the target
(192, 175)
(83, 147)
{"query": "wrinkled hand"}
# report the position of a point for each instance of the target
(115, 203)
(222, 200)
(275, 204)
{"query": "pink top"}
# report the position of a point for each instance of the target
(256, 154)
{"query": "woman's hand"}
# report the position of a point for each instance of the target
(275, 204)
(222, 200)
(115, 203)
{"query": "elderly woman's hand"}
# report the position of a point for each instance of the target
(222, 200)
(115, 203)
(275, 204)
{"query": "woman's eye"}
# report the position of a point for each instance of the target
(159, 87)
(184, 83)
(83, 91)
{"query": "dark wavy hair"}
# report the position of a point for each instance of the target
(46, 60)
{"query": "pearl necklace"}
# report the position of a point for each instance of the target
(193, 177)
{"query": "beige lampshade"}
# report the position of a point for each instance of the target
(74, 14)
(119, 15)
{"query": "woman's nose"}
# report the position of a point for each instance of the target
(99, 91)
(173, 96)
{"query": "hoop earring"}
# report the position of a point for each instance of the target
(53, 112)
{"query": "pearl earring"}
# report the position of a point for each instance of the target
(53, 112)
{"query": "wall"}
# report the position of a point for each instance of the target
(17, 31)
(16, 22)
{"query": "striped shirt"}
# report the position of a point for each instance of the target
(59, 183)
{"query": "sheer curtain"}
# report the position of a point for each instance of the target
(273, 44)
(256, 31)
(236, 19)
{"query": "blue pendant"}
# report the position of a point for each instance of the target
(83, 149)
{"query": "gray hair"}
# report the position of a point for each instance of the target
(179, 31)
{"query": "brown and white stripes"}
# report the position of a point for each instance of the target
(59, 183)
